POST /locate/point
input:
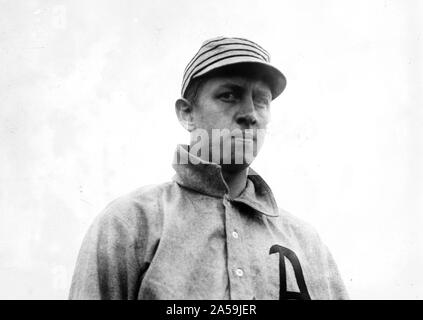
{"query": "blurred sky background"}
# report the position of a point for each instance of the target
(87, 91)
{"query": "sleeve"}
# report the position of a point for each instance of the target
(108, 264)
(337, 289)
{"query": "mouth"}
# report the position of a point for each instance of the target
(244, 137)
(245, 140)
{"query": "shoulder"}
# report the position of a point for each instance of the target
(297, 226)
(135, 208)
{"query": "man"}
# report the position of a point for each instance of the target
(215, 231)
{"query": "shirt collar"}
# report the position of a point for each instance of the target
(206, 177)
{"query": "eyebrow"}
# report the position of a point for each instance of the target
(241, 87)
(231, 85)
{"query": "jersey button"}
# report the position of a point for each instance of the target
(235, 234)
(239, 272)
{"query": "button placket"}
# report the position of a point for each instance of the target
(239, 282)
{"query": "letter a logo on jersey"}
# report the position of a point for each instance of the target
(292, 257)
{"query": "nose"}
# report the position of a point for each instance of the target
(246, 116)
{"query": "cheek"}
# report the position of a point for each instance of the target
(210, 116)
(209, 120)
(263, 119)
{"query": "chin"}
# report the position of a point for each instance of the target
(237, 161)
(233, 168)
(236, 153)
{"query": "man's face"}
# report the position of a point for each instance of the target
(238, 109)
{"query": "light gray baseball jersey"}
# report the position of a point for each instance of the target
(186, 239)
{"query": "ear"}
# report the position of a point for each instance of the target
(184, 112)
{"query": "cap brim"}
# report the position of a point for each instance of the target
(273, 76)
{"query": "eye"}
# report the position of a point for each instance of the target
(228, 96)
(262, 102)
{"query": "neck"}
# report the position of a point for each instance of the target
(236, 181)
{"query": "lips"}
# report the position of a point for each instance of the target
(247, 140)
(245, 137)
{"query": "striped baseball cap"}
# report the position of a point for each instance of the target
(220, 52)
